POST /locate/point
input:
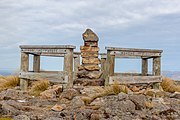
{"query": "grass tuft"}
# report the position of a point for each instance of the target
(8, 82)
(38, 87)
(87, 100)
(108, 90)
(170, 85)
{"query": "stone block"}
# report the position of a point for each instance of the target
(89, 54)
(89, 82)
(91, 61)
(89, 35)
(89, 74)
(89, 49)
(91, 67)
(92, 44)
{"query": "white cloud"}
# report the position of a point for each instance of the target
(54, 21)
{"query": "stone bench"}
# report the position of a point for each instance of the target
(65, 76)
(108, 64)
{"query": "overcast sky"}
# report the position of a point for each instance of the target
(153, 24)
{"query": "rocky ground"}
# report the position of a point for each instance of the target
(79, 103)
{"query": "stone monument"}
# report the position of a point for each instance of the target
(89, 72)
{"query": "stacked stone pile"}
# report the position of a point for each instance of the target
(89, 72)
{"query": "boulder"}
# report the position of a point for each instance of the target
(76, 102)
(138, 100)
(175, 95)
(9, 110)
(21, 117)
(69, 94)
(89, 35)
(88, 90)
(54, 118)
(83, 114)
(52, 92)
(114, 105)
(98, 102)
(156, 93)
(122, 96)
(58, 108)
(96, 116)
(13, 94)
(126, 105)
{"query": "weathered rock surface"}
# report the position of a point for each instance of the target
(58, 108)
(71, 106)
(13, 94)
(52, 92)
(114, 103)
(77, 102)
(21, 117)
(89, 74)
(89, 35)
(69, 94)
(89, 82)
(89, 49)
(175, 95)
(138, 100)
(90, 60)
(89, 54)
(122, 96)
(91, 67)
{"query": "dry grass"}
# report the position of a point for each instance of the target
(108, 90)
(38, 87)
(8, 82)
(169, 85)
(87, 100)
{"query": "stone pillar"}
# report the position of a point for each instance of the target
(103, 66)
(156, 70)
(36, 63)
(68, 67)
(109, 70)
(157, 66)
(24, 68)
(144, 66)
(89, 72)
(76, 64)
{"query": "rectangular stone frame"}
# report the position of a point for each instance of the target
(144, 54)
(65, 51)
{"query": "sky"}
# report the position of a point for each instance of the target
(153, 24)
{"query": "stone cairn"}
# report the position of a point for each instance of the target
(89, 72)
